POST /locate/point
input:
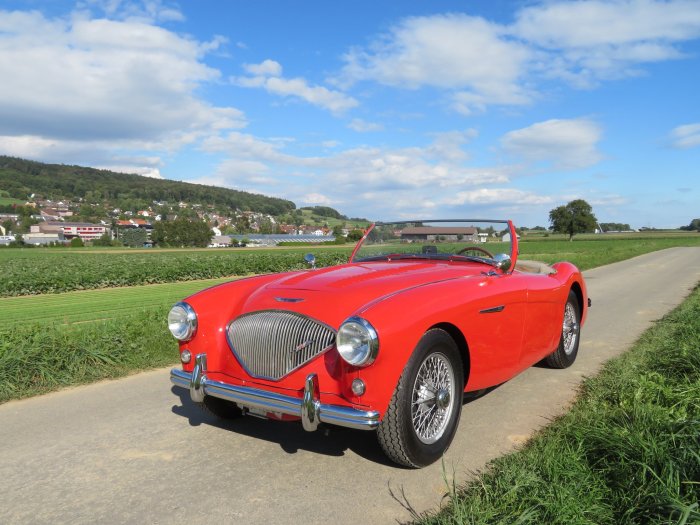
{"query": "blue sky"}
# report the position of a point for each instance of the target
(385, 110)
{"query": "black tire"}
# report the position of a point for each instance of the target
(397, 435)
(221, 408)
(565, 354)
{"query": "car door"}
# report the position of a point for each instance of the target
(543, 318)
(497, 317)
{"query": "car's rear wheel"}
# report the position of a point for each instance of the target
(221, 408)
(565, 354)
(424, 411)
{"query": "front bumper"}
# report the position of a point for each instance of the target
(308, 408)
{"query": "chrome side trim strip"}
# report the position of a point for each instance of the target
(309, 408)
(493, 310)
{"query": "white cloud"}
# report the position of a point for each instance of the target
(480, 63)
(265, 68)
(268, 75)
(82, 85)
(393, 182)
(144, 10)
(500, 196)
(317, 199)
(138, 170)
(567, 144)
(589, 24)
(362, 126)
(686, 136)
(585, 42)
(458, 52)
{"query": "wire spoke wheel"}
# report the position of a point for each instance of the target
(432, 399)
(569, 329)
(565, 354)
(423, 413)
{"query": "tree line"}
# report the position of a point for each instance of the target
(20, 178)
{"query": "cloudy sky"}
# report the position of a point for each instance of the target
(381, 109)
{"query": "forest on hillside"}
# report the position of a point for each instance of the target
(21, 178)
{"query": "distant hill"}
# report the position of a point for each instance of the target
(20, 178)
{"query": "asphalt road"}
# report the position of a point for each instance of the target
(137, 451)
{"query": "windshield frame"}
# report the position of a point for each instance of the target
(439, 257)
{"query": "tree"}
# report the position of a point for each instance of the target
(182, 232)
(76, 242)
(576, 217)
(8, 225)
(105, 240)
(134, 237)
(693, 226)
(615, 226)
(355, 235)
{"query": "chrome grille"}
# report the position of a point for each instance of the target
(272, 343)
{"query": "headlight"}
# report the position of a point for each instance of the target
(357, 342)
(182, 321)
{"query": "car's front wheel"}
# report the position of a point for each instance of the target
(565, 354)
(424, 411)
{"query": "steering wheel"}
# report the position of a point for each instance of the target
(475, 249)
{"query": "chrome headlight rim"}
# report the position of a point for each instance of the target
(370, 349)
(188, 317)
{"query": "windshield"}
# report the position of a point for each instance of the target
(464, 240)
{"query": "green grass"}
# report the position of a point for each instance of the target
(312, 219)
(5, 199)
(36, 358)
(92, 305)
(588, 253)
(628, 452)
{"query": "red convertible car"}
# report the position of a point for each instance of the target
(390, 341)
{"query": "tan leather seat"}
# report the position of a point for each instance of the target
(534, 267)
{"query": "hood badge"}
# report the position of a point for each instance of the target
(304, 345)
(289, 299)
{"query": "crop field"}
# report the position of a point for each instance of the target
(45, 270)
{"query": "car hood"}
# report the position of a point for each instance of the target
(332, 294)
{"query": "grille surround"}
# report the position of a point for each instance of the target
(271, 344)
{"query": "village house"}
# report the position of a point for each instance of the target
(84, 230)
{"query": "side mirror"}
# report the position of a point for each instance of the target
(503, 261)
(310, 260)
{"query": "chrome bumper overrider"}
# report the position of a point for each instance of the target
(309, 408)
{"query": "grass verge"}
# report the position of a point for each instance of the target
(97, 305)
(627, 452)
(36, 358)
